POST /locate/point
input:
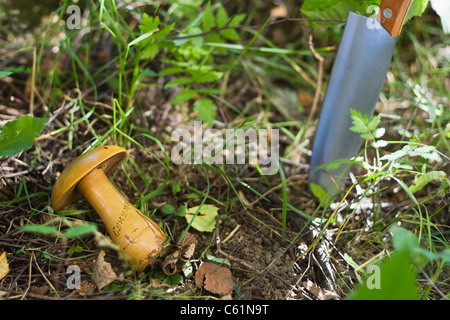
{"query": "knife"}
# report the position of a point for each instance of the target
(358, 73)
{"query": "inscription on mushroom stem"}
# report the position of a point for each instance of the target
(121, 219)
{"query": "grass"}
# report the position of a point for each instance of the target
(136, 72)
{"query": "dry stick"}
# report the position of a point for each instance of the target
(45, 278)
(29, 276)
(33, 76)
(250, 27)
(319, 82)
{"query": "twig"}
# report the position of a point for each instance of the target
(231, 233)
(251, 27)
(33, 77)
(319, 81)
(45, 278)
(240, 261)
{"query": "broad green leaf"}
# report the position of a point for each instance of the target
(360, 121)
(149, 24)
(4, 73)
(184, 95)
(18, 135)
(149, 51)
(406, 241)
(168, 209)
(206, 110)
(80, 231)
(397, 279)
(209, 21)
(339, 9)
(205, 220)
(217, 260)
(40, 229)
(222, 17)
(335, 9)
(426, 178)
(417, 8)
(318, 192)
(444, 255)
(403, 240)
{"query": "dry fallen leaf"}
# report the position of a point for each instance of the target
(279, 12)
(320, 293)
(86, 288)
(103, 272)
(4, 266)
(175, 256)
(215, 279)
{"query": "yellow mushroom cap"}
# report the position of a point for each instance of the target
(106, 158)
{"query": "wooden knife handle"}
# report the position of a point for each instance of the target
(392, 15)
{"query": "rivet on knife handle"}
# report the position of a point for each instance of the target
(392, 15)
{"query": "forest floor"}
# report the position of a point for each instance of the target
(312, 255)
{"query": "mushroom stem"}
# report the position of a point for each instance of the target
(139, 236)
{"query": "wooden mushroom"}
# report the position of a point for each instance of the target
(138, 235)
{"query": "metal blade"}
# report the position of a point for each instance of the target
(358, 73)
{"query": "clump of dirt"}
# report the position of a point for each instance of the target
(262, 268)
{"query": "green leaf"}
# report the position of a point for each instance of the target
(318, 192)
(202, 218)
(360, 121)
(403, 240)
(168, 209)
(149, 51)
(406, 241)
(444, 255)
(373, 123)
(80, 231)
(339, 9)
(335, 9)
(417, 9)
(222, 17)
(217, 260)
(206, 110)
(18, 135)
(397, 279)
(40, 229)
(426, 178)
(209, 21)
(184, 95)
(4, 73)
(149, 24)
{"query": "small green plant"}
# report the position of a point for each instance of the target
(396, 275)
(20, 134)
(408, 159)
(51, 230)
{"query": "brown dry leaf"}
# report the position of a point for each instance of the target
(320, 293)
(188, 246)
(279, 12)
(42, 290)
(156, 283)
(215, 279)
(103, 272)
(174, 256)
(4, 266)
(86, 288)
